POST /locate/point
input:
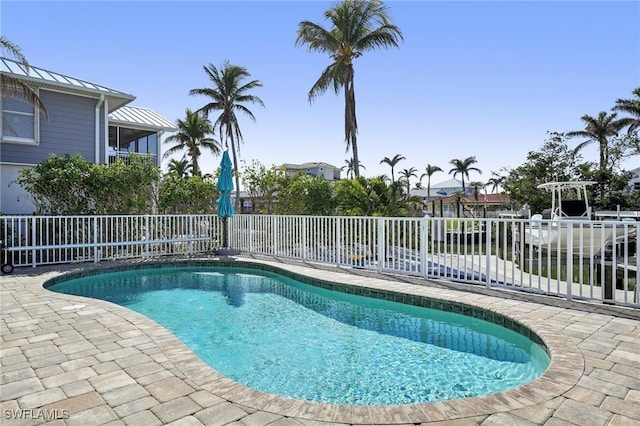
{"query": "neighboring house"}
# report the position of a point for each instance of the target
(489, 204)
(439, 190)
(84, 118)
(325, 170)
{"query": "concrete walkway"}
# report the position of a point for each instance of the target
(69, 360)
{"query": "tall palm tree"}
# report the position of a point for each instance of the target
(14, 88)
(192, 135)
(631, 107)
(179, 167)
(392, 162)
(229, 94)
(429, 171)
(357, 26)
(599, 129)
(408, 174)
(349, 167)
(463, 167)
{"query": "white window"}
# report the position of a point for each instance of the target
(19, 121)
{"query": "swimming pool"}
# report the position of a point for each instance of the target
(282, 336)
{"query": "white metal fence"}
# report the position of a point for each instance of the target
(570, 259)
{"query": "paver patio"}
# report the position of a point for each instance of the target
(68, 360)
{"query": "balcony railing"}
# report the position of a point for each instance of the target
(584, 260)
(124, 156)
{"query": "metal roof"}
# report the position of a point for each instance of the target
(309, 165)
(141, 118)
(49, 79)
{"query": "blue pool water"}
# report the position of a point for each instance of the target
(278, 335)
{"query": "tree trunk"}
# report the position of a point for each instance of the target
(350, 122)
(235, 170)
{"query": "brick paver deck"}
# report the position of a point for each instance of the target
(68, 360)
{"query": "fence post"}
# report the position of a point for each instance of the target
(381, 243)
(488, 249)
(250, 230)
(569, 262)
(33, 240)
(146, 236)
(191, 235)
(274, 236)
(304, 237)
(424, 240)
(336, 244)
(96, 252)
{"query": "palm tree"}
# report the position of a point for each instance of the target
(408, 174)
(599, 130)
(179, 167)
(14, 88)
(475, 186)
(429, 171)
(496, 181)
(357, 26)
(463, 167)
(392, 162)
(229, 94)
(632, 107)
(350, 168)
(192, 136)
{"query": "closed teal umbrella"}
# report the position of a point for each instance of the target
(225, 186)
(225, 208)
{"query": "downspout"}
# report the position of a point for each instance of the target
(97, 140)
(154, 205)
(105, 144)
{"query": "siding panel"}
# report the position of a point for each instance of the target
(69, 129)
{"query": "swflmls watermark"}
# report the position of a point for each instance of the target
(35, 414)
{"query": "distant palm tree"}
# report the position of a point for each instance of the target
(631, 107)
(496, 181)
(357, 26)
(599, 129)
(229, 95)
(463, 167)
(475, 186)
(408, 174)
(14, 88)
(392, 162)
(179, 167)
(192, 135)
(429, 171)
(350, 168)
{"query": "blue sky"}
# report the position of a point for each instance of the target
(484, 79)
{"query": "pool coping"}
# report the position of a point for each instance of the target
(565, 369)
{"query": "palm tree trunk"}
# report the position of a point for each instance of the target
(235, 168)
(195, 166)
(604, 153)
(350, 122)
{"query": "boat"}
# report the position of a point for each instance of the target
(572, 225)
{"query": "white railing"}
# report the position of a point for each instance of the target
(41, 240)
(570, 259)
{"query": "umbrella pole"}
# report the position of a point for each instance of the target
(225, 232)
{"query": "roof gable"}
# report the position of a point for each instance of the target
(52, 80)
(451, 183)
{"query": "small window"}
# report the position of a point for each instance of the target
(636, 186)
(19, 121)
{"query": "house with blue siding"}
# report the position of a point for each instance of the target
(83, 118)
